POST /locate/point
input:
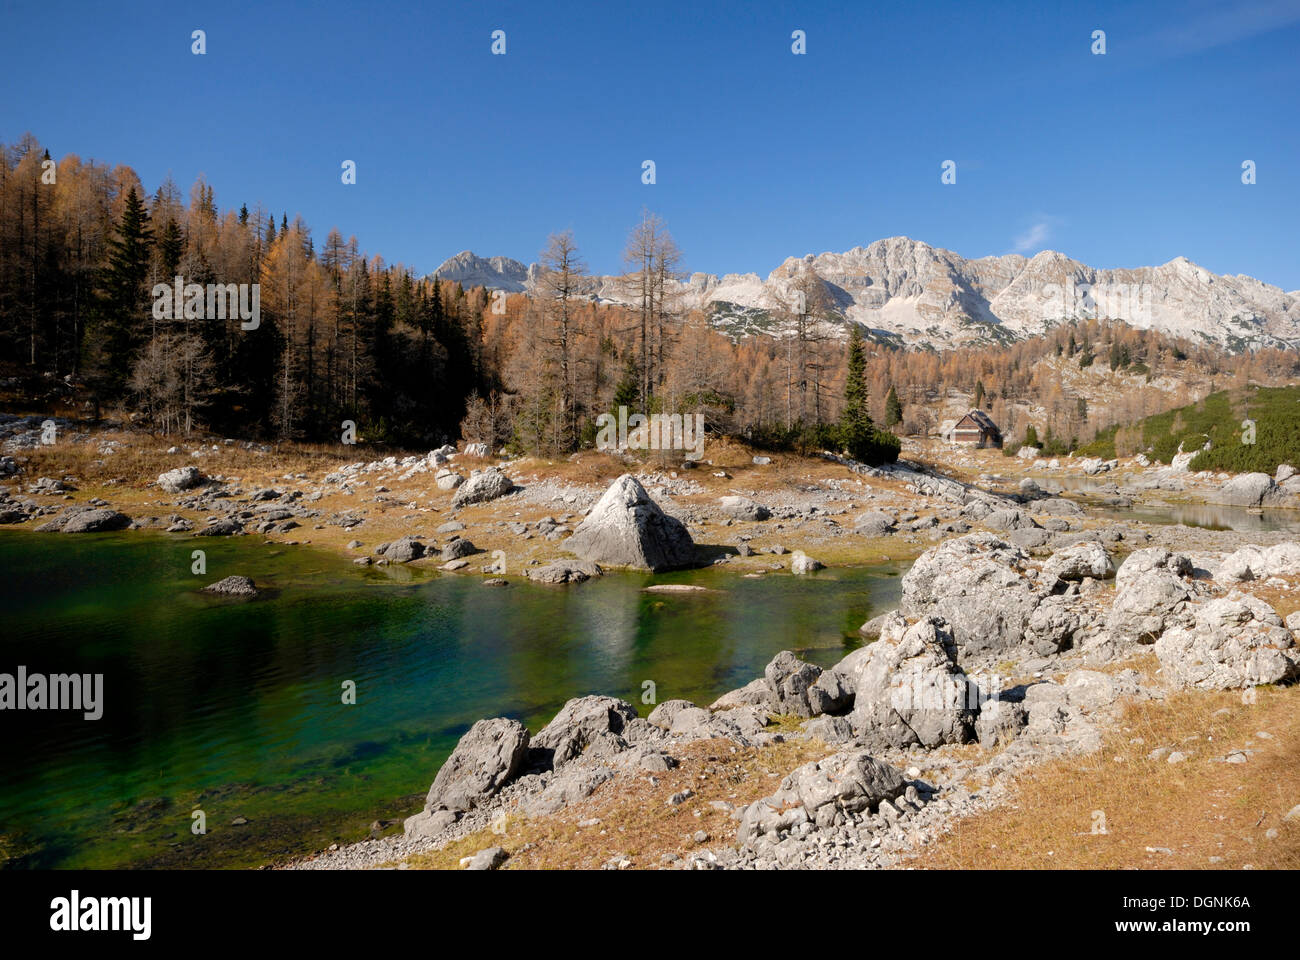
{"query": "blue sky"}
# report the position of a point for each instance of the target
(1126, 159)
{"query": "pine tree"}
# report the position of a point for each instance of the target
(858, 434)
(893, 408)
(979, 394)
(122, 307)
(855, 422)
(628, 388)
(170, 247)
(1085, 355)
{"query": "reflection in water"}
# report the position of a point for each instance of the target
(1210, 516)
(236, 707)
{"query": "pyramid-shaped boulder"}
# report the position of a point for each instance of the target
(627, 529)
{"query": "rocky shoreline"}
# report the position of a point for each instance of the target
(1031, 619)
(1031, 659)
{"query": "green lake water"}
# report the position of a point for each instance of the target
(235, 707)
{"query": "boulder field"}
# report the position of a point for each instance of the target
(975, 612)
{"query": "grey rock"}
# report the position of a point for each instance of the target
(1278, 560)
(742, 508)
(234, 586)
(1250, 490)
(979, 585)
(1231, 643)
(1141, 563)
(1151, 596)
(843, 783)
(662, 716)
(999, 722)
(1030, 538)
(577, 725)
(402, 550)
(626, 528)
(873, 523)
(182, 478)
(446, 480)
(803, 564)
(481, 487)
(428, 824)
(830, 730)
(573, 783)
(1080, 560)
(488, 859)
(485, 759)
(458, 548)
(563, 571)
(1009, 519)
(908, 689)
(1058, 507)
(225, 527)
(788, 679)
(755, 693)
(1052, 626)
(95, 521)
(871, 629)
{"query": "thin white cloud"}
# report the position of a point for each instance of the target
(1033, 238)
(1218, 24)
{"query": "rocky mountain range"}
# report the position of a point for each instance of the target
(913, 294)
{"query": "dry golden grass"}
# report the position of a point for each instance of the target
(417, 505)
(1284, 602)
(1199, 808)
(636, 820)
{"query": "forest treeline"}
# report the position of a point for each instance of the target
(343, 335)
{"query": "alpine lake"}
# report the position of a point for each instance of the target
(240, 708)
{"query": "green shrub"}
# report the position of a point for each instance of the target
(1218, 419)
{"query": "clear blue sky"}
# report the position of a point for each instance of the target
(1126, 159)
